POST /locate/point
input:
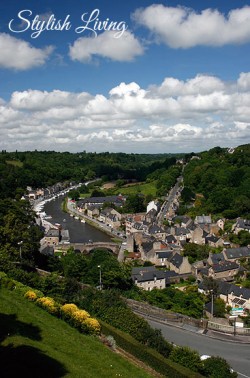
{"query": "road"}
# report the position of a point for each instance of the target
(237, 354)
(169, 201)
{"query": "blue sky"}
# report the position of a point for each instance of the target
(172, 76)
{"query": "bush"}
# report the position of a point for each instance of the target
(91, 325)
(217, 367)
(186, 357)
(147, 355)
(68, 310)
(31, 295)
(49, 305)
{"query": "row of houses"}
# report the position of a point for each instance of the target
(224, 266)
(34, 194)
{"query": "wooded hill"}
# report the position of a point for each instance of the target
(44, 168)
(220, 182)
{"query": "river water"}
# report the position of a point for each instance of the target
(78, 232)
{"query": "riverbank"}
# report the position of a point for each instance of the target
(70, 208)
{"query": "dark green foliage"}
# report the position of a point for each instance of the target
(219, 308)
(243, 238)
(111, 308)
(188, 302)
(19, 235)
(186, 357)
(43, 168)
(74, 194)
(147, 355)
(196, 252)
(224, 181)
(217, 367)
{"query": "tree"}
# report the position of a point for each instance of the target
(74, 194)
(217, 367)
(186, 357)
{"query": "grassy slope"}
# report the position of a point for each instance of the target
(144, 188)
(36, 344)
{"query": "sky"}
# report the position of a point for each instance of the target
(124, 76)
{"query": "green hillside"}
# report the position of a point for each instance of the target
(36, 344)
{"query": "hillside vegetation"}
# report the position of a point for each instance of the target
(221, 182)
(36, 344)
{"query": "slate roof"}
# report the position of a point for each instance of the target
(236, 253)
(147, 246)
(164, 254)
(170, 239)
(211, 238)
(224, 266)
(217, 258)
(176, 260)
(154, 229)
(181, 231)
(243, 223)
(149, 273)
(226, 288)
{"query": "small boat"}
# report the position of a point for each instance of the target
(83, 221)
(76, 217)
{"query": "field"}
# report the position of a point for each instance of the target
(16, 163)
(36, 344)
(144, 188)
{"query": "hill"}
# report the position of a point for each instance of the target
(36, 344)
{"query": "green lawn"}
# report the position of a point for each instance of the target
(16, 163)
(36, 344)
(144, 188)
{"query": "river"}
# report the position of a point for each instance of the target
(79, 232)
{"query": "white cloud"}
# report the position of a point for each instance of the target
(176, 115)
(107, 45)
(17, 54)
(183, 27)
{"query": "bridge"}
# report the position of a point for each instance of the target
(88, 247)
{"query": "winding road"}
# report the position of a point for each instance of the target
(237, 354)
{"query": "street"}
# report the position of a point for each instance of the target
(236, 354)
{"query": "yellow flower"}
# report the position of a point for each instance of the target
(69, 309)
(93, 326)
(31, 295)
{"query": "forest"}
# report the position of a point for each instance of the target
(219, 183)
(44, 168)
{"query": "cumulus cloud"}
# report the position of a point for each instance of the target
(181, 27)
(20, 55)
(106, 45)
(176, 115)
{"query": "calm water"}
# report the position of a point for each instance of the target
(79, 232)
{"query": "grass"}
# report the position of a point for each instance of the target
(16, 163)
(33, 343)
(144, 188)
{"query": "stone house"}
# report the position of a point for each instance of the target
(93, 211)
(224, 270)
(179, 264)
(242, 225)
(234, 296)
(236, 254)
(149, 278)
(52, 236)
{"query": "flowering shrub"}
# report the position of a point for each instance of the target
(68, 310)
(91, 325)
(48, 304)
(78, 318)
(31, 295)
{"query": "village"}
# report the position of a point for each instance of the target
(154, 242)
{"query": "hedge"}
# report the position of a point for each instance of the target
(147, 355)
